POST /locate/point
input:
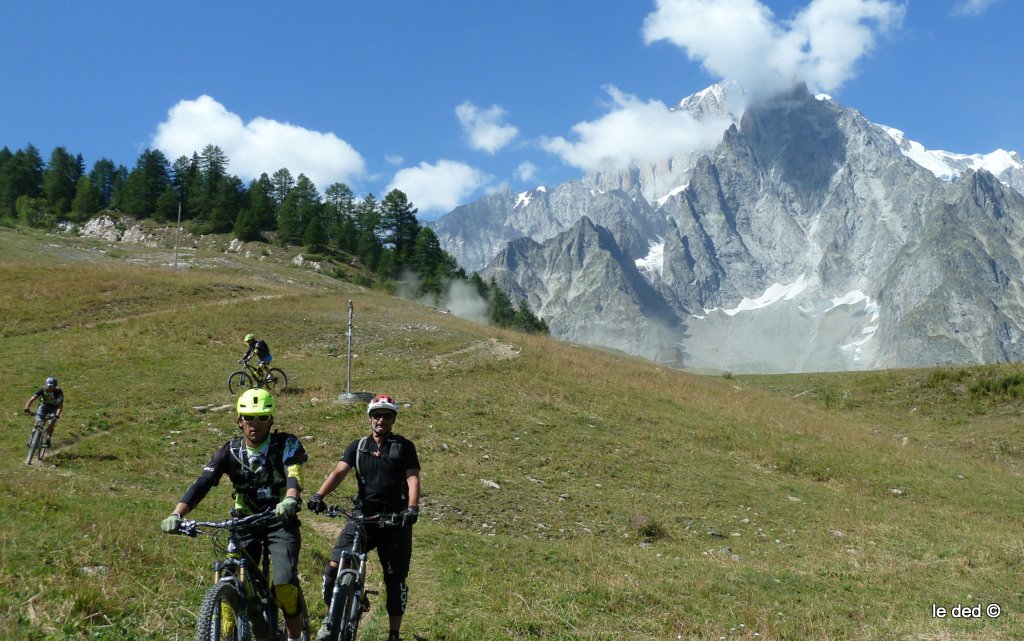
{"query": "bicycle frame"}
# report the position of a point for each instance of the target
(37, 437)
(352, 564)
(246, 574)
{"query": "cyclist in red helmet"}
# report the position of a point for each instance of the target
(388, 476)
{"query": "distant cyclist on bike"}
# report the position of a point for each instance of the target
(388, 476)
(51, 403)
(266, 472)
(259, 347)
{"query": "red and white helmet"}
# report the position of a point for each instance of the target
(382, 402)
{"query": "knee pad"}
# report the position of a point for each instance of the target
(330, 576)
(398, 595)
(288, 598)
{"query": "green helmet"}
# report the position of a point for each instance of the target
(255, 401)
(249, 337)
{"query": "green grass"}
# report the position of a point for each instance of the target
(633, 502)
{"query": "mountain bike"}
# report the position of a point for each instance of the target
(37, 444)
(240, 605)
(274, 379)
(349, 598)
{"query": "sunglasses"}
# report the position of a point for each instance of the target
(262, 418)
(382, 415)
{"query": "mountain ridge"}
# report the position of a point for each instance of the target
(800, 188)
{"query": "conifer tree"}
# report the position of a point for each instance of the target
(60, 179)
(399, 226)
(87, 201)
(105, 178)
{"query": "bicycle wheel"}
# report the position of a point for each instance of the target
(339, 616)
(276, 380)
(34, 443)
(221, 617)
(239, 381)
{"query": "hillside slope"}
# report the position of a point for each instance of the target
(569, 493)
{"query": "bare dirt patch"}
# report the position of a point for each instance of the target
(476, 352)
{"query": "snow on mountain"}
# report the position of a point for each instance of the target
(654, 261)
(804, 241)
(950, 166)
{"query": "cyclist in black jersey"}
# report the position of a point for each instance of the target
(259, 347)
(388, 475)
(51, 402)
(266, 473)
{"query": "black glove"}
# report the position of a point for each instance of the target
(316, 504)
(410, 515)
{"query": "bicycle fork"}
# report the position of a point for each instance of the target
(358, 597)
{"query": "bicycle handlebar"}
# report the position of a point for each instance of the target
(383, 519)
(189, 527)
(51, 415)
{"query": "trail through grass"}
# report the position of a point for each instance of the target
(569, 493)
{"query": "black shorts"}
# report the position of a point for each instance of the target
(393, 545)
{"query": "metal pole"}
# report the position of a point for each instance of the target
(177, 235)
(348, 379)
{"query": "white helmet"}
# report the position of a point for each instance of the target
(382, 402)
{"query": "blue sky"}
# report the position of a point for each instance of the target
(448, 100)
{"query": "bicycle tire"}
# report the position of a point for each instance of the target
(240, 381)
(276, 380)
(210, 626)
(341, 611)
(34, 442)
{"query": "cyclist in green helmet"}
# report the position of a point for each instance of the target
(259, 347)
(265, 469)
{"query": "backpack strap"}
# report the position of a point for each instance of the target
(360, 451)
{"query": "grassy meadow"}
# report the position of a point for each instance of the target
(569, 493)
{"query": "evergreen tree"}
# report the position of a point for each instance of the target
(300, 207)
(35, 211)
(87, 201)
(282, 183)
(399, 226)
(368, 244)
(185, 178)
(60, 179)
(315, 237)
(145, 184)
(230, 198)
(22, 175)
(481, 287)
(500, 311)
(206, 191)
(339, 216)
(526, 321)
(166, 208)
(261, 204)
(433, 264)
(104, 177)
(247, 226)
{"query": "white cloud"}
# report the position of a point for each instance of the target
(972, 7)
(261, 145)
(526, 171)
(633, 132)
(440, 187)
(483, 127)
(394, 159)
(741, 39)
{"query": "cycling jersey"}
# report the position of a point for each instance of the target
(381, 472)
(260, 477)
(53, 398)
(261, 349)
